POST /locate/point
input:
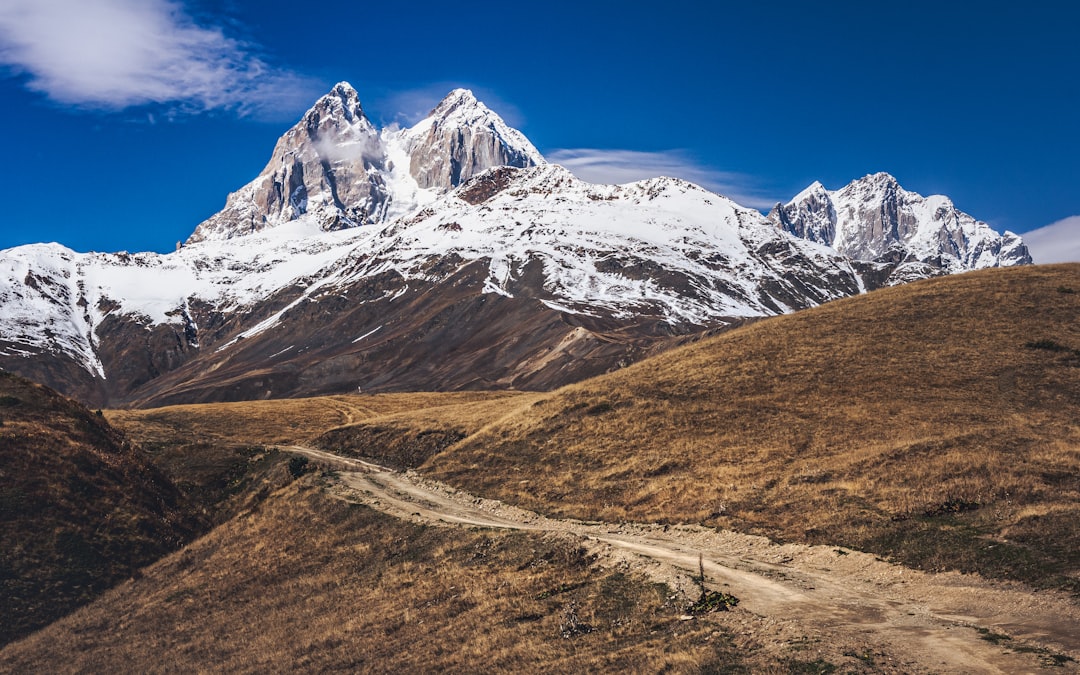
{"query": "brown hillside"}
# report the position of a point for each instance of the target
(937, 422)
(80, 507)
(213, 451)
(306, 583)
(280, 421)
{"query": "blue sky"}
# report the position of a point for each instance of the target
(129, 121)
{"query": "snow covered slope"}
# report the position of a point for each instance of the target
(662, 249)
(874, 219)
(447, 256)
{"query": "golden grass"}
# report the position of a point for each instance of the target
(284, 421)
(841, 424)
(305, 582)
(844, 424)
(214, 451)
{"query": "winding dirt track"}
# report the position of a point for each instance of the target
(925, 622)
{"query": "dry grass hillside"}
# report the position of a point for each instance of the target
(214, 451)
(936, 423)
(291, 420)
(80, 507)
(301, 581)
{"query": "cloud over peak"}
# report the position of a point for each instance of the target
(114, 54)
(625, 166)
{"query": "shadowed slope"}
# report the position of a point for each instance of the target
(935, 422)
(80, 507)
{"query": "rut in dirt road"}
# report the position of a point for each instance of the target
(940, 622)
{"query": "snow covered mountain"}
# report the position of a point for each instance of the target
(337, 168)
(444, 256)
(874, 219)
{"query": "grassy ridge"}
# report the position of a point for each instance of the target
(283, 421)
(937, 422)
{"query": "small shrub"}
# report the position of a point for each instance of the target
(713, 601)
(991, 637)
(710, 601)
(1048, 345)
(1065, 289)
(955, 505)
(600, 409)
(9, 401)
(298, 466)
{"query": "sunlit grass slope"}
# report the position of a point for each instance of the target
(937, 422)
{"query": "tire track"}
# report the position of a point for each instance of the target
(934, 620)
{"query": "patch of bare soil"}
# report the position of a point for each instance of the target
(900, 620)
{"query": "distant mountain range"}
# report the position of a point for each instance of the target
(450, 255)
(875, 219)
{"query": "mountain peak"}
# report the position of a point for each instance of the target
(338, 170)
(815, 189)
(341, 101)
(344, 88)
(462, 137)
(881, 179)
(322, 166)
(456, 98)
(461, 108)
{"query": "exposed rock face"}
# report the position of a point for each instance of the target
(874, 219)
(461, 138)
(335, 166)
(331, 163)
(810, 215)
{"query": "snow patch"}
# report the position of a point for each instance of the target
(367, 334)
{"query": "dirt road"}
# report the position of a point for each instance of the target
(912, 621)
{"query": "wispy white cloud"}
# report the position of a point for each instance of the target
(409, 106)
(624, 166)
(114, 54)
(1056, 242)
